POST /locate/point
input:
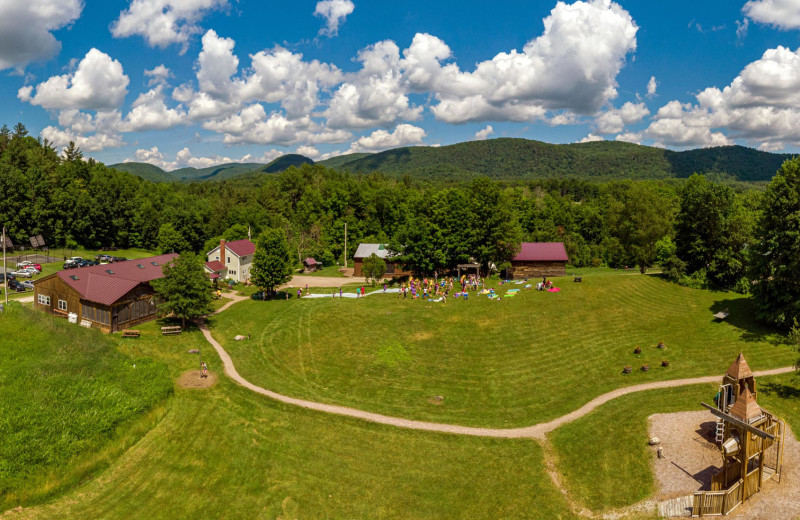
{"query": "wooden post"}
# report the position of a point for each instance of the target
(5, 271)
(345, 244)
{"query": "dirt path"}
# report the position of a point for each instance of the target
(321, 281)
(537, 431)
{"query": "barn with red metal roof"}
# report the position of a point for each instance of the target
(109, 297)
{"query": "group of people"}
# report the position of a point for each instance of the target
(436, 288)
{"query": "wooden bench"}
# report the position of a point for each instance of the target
(578, 279)
(130, 333)
(171, 330)
(60, 313)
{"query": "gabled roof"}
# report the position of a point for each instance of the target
(541, 252)
(739, 369)
(105, 285)
(241, 247)
(310, 261)
(746, 408)
(366, 250)
(215, 266)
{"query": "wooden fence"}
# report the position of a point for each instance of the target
(716, 503)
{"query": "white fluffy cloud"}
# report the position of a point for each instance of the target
(572, 66)
(376, 95)
(652, 85)
(484, 133)
(334, 12)
(98, 83)
(613, 121)
(591, 138)
(159, 75)
(88, 143)
(26, 29)
(184, 158)
(308, 151)
(150, 112)
(163, 22)
(380, 140)
(760, 106)
(784, 14)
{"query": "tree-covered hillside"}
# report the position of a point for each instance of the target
(509, 159)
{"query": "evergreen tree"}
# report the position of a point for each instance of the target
(184, 290)
(272, 262)
(775, 261)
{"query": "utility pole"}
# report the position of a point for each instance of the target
(345, 244)
(5, 271)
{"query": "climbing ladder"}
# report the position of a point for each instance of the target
(723, 405)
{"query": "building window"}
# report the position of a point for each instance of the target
(229, 259)
(232, 273)
(62, 305)
(44, 300)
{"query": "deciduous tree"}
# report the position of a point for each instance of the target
(272, 262)
(184, 290)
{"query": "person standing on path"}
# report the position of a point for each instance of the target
(299, 293)
(340, 291)
(205, 369)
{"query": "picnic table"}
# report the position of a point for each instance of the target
(128, 333)
(171, 330)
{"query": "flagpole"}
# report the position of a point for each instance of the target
(5, 271)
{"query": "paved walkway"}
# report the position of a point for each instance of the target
(537, 431)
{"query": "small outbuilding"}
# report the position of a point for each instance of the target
(382, 251)
(537, 259)
(311, 265)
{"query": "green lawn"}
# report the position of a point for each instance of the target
(65, 393)
(226, 452)
(515, 362)
(604, 457)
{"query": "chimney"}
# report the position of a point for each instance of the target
(222, 251)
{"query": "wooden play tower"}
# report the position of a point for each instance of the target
(750, 440)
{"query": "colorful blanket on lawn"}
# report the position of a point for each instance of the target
(553, 289)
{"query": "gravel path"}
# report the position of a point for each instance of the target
(537, 431)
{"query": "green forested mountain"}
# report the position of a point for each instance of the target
(146, 171)
(212, 173)
(339, 160)
(509, 159)
(282, 163)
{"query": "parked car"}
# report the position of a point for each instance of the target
(28, 263)
(70, 265)
(22, 273)
(32, 270)
(75, 259)
(14, 285)
(27, 284)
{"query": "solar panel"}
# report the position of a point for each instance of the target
(40, 239)
(140, 266)
(9, 244)
(34, 243)
(74, 276)
(109, 271)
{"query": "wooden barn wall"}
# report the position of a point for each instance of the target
(537, 269)
(56, 289)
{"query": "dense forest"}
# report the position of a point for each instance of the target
(76, 202)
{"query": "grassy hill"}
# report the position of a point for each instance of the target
(65, 391)
(148, 172)
(510, 159)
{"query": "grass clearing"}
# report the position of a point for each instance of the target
(505, 363)
(225, 452)
(66, 392)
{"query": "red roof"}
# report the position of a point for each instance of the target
(105, 284)
(215, 266)
(310, 261)
(241, 247)
(542, 252)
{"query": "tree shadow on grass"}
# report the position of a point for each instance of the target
(780, 390)
(742, 315)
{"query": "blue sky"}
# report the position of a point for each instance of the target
(199, 82)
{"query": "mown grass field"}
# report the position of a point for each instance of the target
(65, 393)
(226, 452)
(514, 362)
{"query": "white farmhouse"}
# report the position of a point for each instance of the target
(231, 260)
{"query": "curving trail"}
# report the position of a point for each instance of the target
(537, 431)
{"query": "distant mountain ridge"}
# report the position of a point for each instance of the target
(507, 159)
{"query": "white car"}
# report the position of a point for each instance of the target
(28, 284)
(22, 273)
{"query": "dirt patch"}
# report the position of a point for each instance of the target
(690, 460)
(192, 379)
(437, 400)
(421, 336)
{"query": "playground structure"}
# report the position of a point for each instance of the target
(750, 440)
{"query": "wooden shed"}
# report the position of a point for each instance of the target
(381, 250)
(536, 259)
(109, 297)
(310, 265)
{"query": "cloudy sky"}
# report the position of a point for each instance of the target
(199, 82)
